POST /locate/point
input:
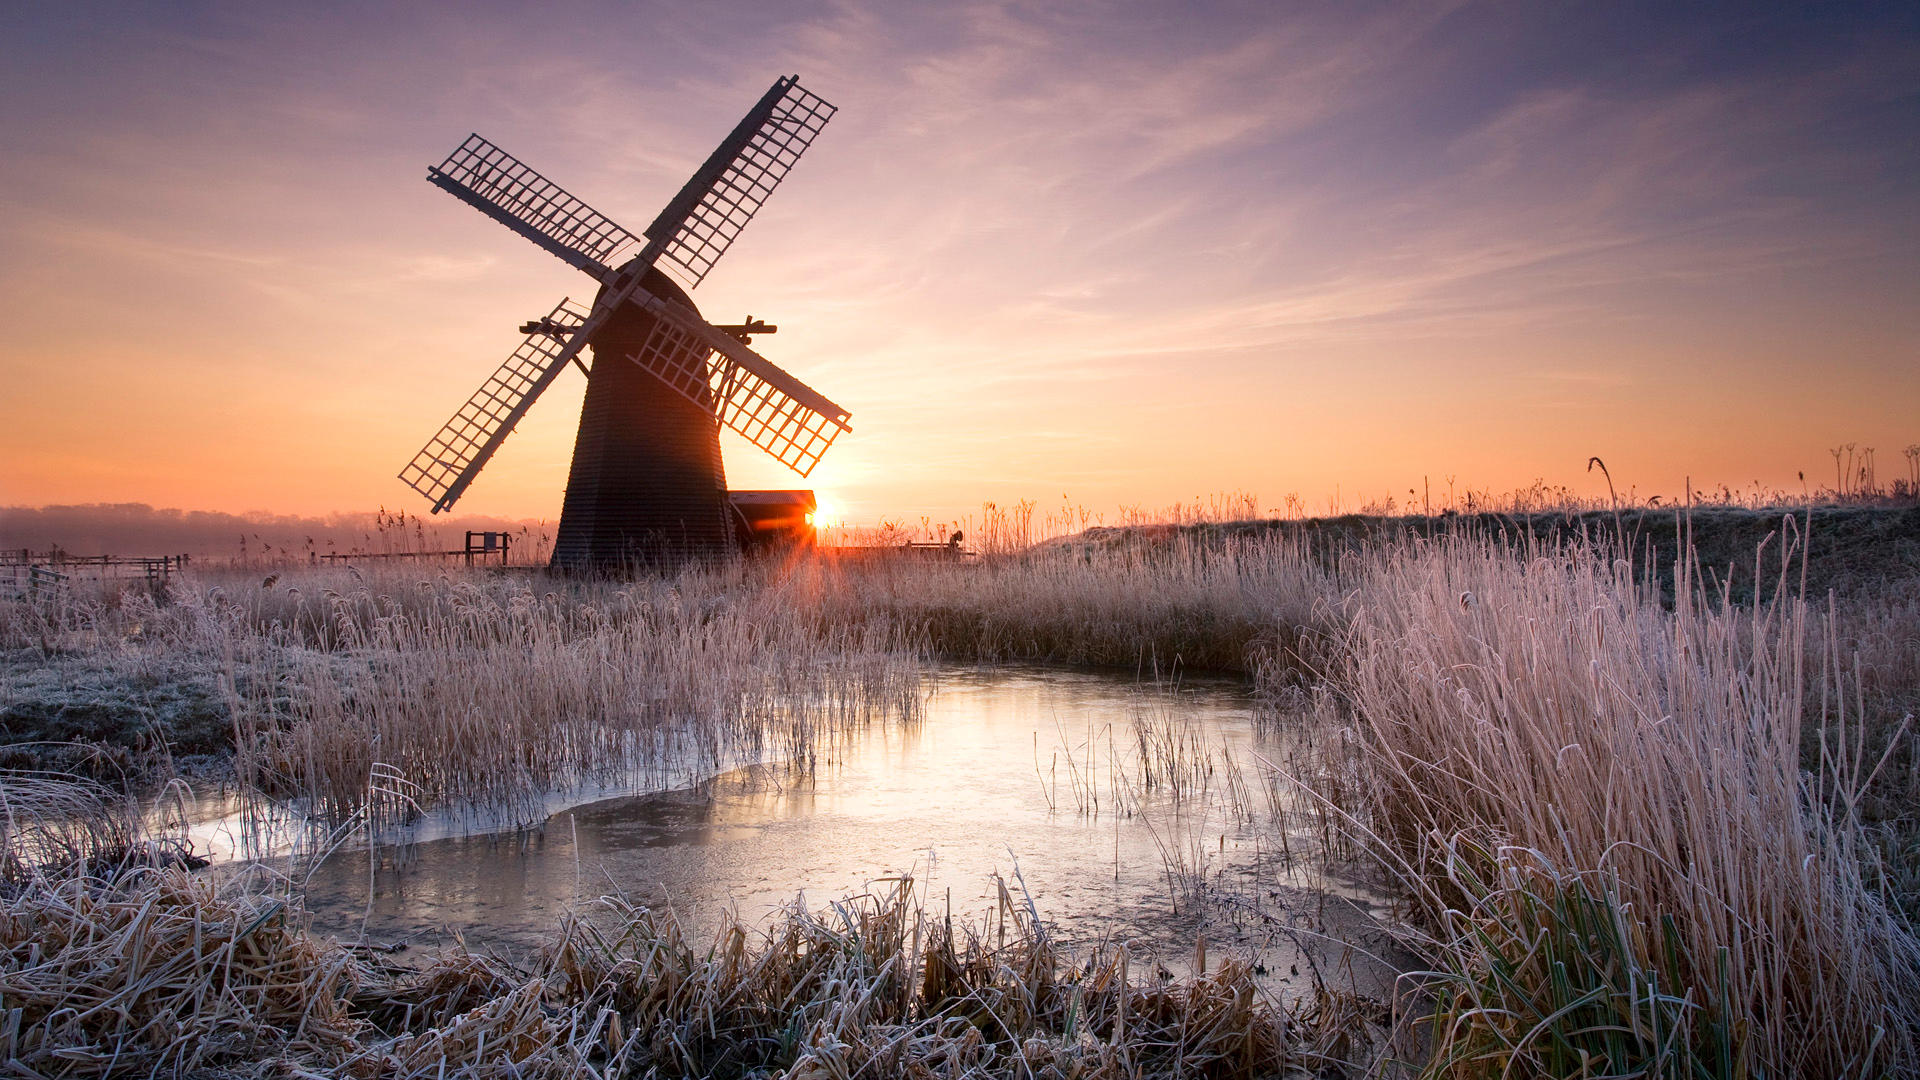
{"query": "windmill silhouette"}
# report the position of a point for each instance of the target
(647, 484)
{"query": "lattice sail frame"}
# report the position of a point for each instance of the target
(443, 468)
(701, 222)
(775, 411)
(791, 421)
(512, 193)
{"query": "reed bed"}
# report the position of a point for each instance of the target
(65, 824)
(156, 972)
(491, 699)
(382, 695)
(1638, 821)
(1601, 804)
(1152, 606)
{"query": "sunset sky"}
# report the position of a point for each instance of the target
(1125, 253)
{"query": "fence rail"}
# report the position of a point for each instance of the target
(31, 583)
(21, 562)
(481, 547)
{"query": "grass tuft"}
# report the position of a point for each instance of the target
(161, 973)
(1550, 703)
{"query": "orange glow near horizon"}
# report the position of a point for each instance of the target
(1121, 262)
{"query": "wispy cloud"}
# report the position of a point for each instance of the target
(1034, 236)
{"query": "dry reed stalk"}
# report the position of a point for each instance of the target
(162, 973)
(1619, 752)
(1873, 639)
(61, 825)
(1545, 710)
(1152, 606)
(873, 986)
(482, 695)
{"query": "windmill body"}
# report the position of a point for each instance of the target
(647, 485)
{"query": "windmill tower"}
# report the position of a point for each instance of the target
(647, 484)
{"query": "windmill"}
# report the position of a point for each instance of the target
(646, 483)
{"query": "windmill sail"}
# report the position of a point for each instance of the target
(647, 470)
(702, 220)
(776, 412)
(452, 458)
(500, 186)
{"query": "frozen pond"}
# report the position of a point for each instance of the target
(1136, 810)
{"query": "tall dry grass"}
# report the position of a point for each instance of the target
(1152, 605)
(61, 824)
(487, 694)
(157, 973)
(1554, 754)
(1666, 832)
(1874, 638)
(389, 688)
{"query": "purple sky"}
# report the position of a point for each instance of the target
(1125, 253)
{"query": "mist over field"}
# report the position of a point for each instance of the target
(139, 529)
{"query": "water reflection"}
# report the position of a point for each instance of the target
(1119, 808)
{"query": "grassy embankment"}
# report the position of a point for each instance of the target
(1642, 817)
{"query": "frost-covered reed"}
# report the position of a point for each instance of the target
(1641, 821)
(493, 693)
(157, 973)
(1152, 604)
(1604, 807)
(392, 690)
